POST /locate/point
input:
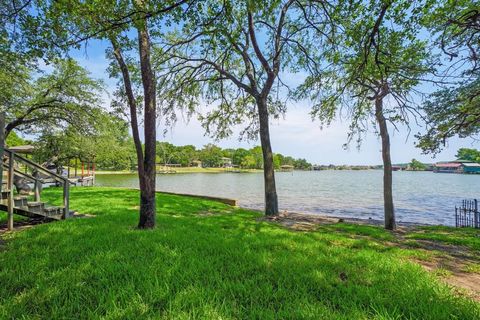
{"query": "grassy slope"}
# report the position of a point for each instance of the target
(207, 260)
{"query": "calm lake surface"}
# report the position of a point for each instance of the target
(421, 197)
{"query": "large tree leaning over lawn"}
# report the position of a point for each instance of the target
(123, 24)
(373, 75)
(232, 54)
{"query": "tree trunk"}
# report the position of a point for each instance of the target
(147, 194)
(271, 200)
(133, 109)
(387, 166)
(2, 146)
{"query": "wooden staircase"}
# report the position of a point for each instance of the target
(31, 205)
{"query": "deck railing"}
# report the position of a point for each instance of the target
(9, 159)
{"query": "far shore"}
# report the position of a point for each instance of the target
(162, 170)
(172, 170)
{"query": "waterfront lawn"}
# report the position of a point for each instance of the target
(206, 260)
(467, 237)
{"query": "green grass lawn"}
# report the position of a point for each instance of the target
(206, 260)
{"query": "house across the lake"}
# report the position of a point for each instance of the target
(458, 166)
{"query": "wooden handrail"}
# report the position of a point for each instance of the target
(57, 177)
(25, 175)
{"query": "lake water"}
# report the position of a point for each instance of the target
(421, 197)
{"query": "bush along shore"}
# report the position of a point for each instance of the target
(208, 260)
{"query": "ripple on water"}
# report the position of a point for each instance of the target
(420, 197)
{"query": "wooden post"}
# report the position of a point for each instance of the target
(37, 190)
(76, 165)
(66, 196)
(93, 180)
(2, 146)
(10, 186)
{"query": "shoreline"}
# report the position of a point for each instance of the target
(290, 218)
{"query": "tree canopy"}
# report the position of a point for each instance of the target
(66, 96)
(454, 109)
(468, 154)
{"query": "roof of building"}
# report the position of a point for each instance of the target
(448, 165)
(23, 149)
(463, 161)
(472, 164)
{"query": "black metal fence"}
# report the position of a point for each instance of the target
(467, 214)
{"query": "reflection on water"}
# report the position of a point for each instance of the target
(422, 197)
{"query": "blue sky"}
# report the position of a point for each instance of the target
(296, 135)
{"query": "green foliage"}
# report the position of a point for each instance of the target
(450, 112)
(33, 101)
(454, 27)
(15, 140)
(107, 143)
(379, 55)
(232, 55)
(417, 165)
(453, 111)
(211, 156)
(209, 261)
(468, 154)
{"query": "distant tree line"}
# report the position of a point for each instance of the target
(213, 156)
(111, 147)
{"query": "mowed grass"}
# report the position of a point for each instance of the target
(206, 260)
(467, 237)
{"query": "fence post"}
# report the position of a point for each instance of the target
(456, 217)
(476, 214)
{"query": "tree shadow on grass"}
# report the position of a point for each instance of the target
(227, 265)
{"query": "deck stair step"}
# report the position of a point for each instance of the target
(36, 207)
(53, 211)
(4, 194)
(20, 201)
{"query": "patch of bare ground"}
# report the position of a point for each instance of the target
(25, 224)
(451, 272)
(448, 262)
(300, 222)
(31, 222)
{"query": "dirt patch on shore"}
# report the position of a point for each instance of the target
(452, 272)
(24, 224)
(450, 263)
(300, 222)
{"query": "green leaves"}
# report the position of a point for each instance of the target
(66, 96)
(450, 112)
(378, 54)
